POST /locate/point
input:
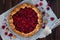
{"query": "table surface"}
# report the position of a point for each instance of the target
(7, 4)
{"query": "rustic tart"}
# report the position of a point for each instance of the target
(25, 20)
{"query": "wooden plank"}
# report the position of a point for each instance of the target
(14, 2)
(57, 33)
(1, 38)
(41, 39)
(8, 4)
(58, 8)
(1, 6)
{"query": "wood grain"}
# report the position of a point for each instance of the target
(7, 4)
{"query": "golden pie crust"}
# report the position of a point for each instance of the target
(38, 26)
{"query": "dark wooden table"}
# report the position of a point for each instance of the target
(55, 5)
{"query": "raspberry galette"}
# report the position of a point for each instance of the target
(25, 20)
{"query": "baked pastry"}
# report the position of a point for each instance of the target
(25, 20)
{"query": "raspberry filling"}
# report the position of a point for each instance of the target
(25, 20)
